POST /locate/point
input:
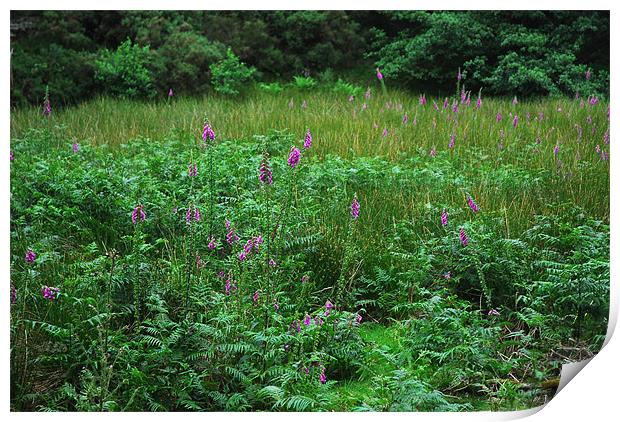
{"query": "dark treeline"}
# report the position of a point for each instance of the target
(79, 54)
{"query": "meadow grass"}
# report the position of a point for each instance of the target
(485, 148)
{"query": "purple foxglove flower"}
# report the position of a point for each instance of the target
(211, 244)
(256, 296)
(472, 204)
(138, 214)
(588, 74)
(294, 157)
(358, 318)
(75, 147)
(463, 237)
(447, 275)
(468, 100)
(242, 257)
(493, 312)
(329, 305)
(515, 101)
(227, 286)
(446, 103)
(276, 306)
(556, 149)
(30, 256)
(188, 215)
(593, 100)
(459, 76)
(435, 106)
(379, 74)
(272, 263)
(422, 99)
(307, 319)
(308, 140)
(451, 144)
(12, 156)
(207, 133)
(192, 170)
(455, 107)
(444, 218)
(498, 117)
(47, 108)
(385, 132)
(170, 93)
(318, 320)
(264, 171)
(606, 137)
(405, 119)
(322, 377)
(478, 103)
(13, 294)
(433, 151)
(355, 208)
(50, 293)
(364, 106)
(231, 236)
(463, 96)
(515, 121)
(258, 240)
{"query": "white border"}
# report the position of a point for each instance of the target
(591, 396)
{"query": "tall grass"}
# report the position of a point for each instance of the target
(502, 166)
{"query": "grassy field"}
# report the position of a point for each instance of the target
(422, 318)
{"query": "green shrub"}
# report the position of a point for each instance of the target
(230, 75)
(273, 87)
(69, 74)
(346, 88)
(304, 82)
(185, 60)
(124, 72)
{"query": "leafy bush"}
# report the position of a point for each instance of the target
(230, 75)
(303, 82)
(347, 89)
(124, 72)
(273, 87)
(186, 58)
(68, 73)
(505, 53)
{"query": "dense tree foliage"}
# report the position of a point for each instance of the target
(517, 52)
